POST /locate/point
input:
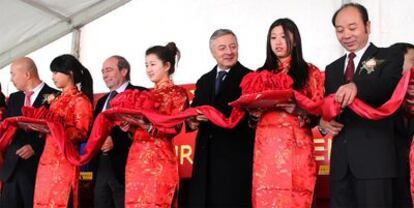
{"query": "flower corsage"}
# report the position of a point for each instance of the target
(371, 64)
(48, 98)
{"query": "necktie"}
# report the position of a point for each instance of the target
(219, 80)
(27, 98)
(111, 95)
(350, 68)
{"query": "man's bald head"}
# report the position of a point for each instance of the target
(24, 74)
(25, 64)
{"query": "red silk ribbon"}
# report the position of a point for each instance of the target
(327, 108)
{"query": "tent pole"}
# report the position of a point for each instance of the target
(76, 35)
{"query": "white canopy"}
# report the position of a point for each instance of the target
(30, 24)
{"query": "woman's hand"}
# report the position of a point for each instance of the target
(254, 116)
(256, 112)
(144, 124)
(288, 107)
(126, 127)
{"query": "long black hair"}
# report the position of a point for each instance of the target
(69, 65)
(299, 68)
(404, 47)
(167, 53)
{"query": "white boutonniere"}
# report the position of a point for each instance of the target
(48, 98)
(371, 64)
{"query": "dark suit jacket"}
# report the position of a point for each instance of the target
(13, 162)
(2, 100)
(118, 155)
(366, 146)
(222, 170)
(3, 105)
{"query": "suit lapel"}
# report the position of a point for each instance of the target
(211, 84)
(20, 101)
(229, 79)
(129, 86)
(40, 97)
(101, 103)
(338, 73)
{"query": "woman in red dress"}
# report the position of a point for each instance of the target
(151, 173)
(284, 169)
(57, 179)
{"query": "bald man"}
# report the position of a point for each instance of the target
(19, 170)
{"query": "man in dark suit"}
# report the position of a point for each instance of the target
(109, 164)
(22, 155)
(222, 170)
(363, 156)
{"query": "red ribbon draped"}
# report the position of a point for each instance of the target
(364, 110)
(100, 131)
(327, 108)
(103, 124)
(56, 130)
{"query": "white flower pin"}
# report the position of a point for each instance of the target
(48, 98)
(371, 64)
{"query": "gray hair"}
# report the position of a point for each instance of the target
(123, 64)
(220, 32)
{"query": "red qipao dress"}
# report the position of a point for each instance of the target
(56, 178)
(151, 173)
(284, 169)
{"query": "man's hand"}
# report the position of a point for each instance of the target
(25, 152)
(346, 94)
(201, 117)
(194, 122)
(108, 145)
(331, 127)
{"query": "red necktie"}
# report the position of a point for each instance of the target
(350, 68)
(27, 101)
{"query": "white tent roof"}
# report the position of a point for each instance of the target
(30, 24)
